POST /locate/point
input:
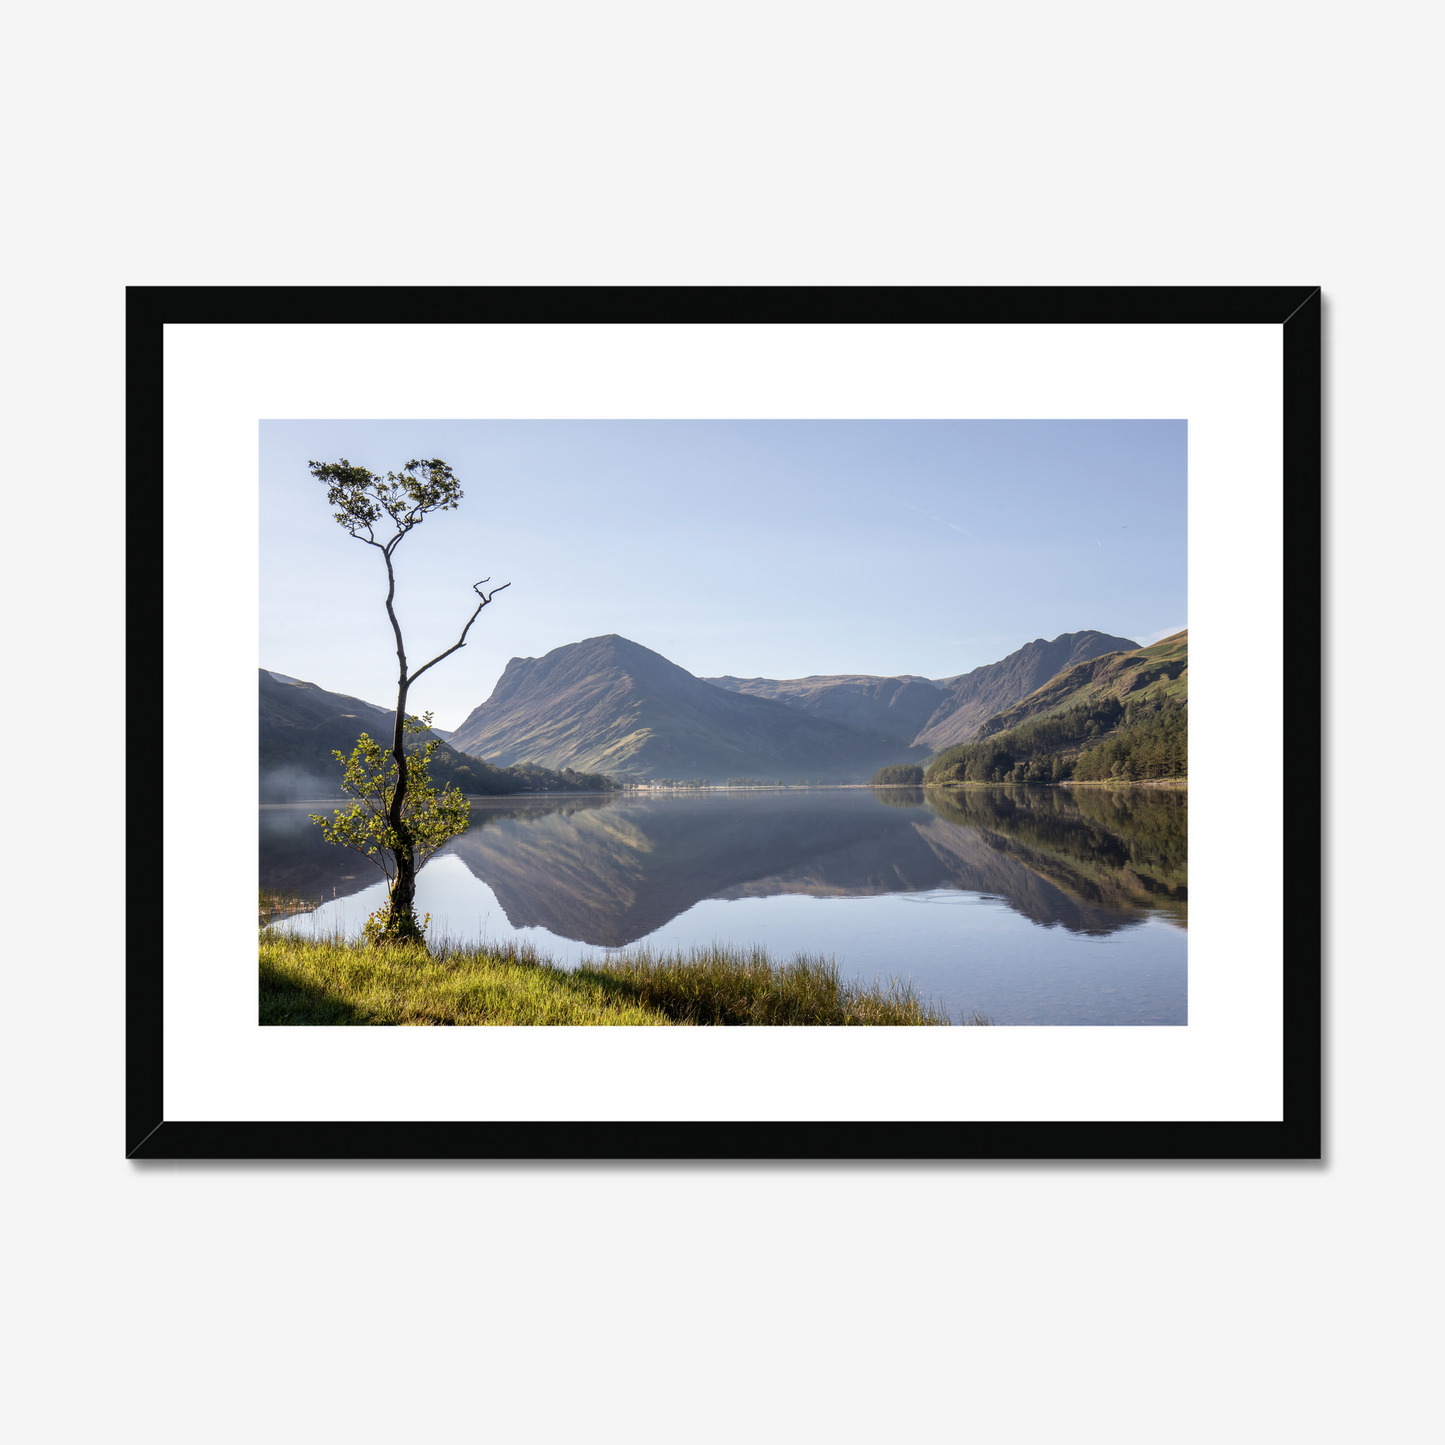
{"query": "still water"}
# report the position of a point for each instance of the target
(1032, 905)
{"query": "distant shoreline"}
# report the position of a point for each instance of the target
(549, 793)
(488, 799)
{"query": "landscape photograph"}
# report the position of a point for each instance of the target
(683, 723)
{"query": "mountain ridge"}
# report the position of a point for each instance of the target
(975, 696)
(894, 707)
(608, 704)
(908, 709)
(1124, 714)
(1111, 674)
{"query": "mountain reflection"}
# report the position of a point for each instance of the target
(607, 871)
(297, 862)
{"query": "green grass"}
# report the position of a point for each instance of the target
(330, 981)
(744, 986)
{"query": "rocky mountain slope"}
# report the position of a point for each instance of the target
(974, 697)
(929, 715)
(1123, 715)
(897, 708)
(610, 705)
(1115, 674)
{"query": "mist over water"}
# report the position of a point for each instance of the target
(294, 785)
(1035, 905)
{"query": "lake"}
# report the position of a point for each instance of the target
(1031, 905)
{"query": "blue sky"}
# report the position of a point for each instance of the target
(772, 549)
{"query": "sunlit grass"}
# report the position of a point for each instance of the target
(335, 981)
(329, 981)
(719, 985)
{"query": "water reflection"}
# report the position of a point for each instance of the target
(608, 871)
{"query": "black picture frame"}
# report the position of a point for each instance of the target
(1296, 309)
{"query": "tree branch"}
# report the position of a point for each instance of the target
(402, 530)
(461, 641)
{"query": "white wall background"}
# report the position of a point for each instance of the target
(779, 142)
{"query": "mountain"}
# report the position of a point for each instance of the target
(1123, 715)
(896, 708)
(610, 705)
(922, 714)
(302, 724)
(1113, 675)
(973, 697)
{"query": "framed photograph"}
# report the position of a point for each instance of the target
(754, 722)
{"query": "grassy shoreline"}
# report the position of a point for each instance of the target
(309, 982)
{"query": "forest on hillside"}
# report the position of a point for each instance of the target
(1092, 741)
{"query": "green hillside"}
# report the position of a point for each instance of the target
(1119, 675)
(1123, 715)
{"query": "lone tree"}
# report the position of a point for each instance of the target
(428, 819)
(411, 817)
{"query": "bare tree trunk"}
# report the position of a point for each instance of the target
(403, 888)
(401, 919)
(402, 913)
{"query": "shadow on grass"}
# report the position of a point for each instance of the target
(287, 1000)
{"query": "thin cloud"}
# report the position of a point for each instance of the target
(939, 520)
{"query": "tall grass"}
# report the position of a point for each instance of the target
(318, 980)
(330, 981)
(721, 985)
